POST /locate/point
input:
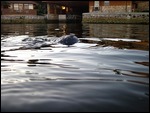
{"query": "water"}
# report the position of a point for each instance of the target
(108, 70)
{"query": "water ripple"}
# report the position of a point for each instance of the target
(107, 68)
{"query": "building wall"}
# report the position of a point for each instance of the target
(12, 11)
(115, 9)
(143, 6)
(52, 9)
(114, 6)
(91, 4)
(117, 3)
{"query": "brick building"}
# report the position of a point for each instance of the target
(19, 8)
(141, 6)
(110, 6)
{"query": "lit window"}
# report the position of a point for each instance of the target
(30, 6)
(106, 3)
(16, 7)
(96, 3)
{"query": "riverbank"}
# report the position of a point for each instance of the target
(116, 18)
(105, 20)
(85, 20)
(27, 21)
(94, 17)
(36, 19)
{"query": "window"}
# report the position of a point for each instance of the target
(30, 6)
(26, 6)
(16, 7)
(106, 3)
(20, 7)
(96, 3)
(10, 6)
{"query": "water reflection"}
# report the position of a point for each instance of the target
(40, 29)
(86, 30)
(108, 68)
(118, 31)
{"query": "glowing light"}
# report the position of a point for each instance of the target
(63, 7)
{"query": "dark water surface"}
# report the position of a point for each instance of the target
(107, 70)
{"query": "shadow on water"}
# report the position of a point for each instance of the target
(107, 70)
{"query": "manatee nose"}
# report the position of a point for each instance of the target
(69, 40)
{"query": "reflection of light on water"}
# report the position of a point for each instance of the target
(120, 39)
(112, 39)
(53, 78)
(104, 74)
(13, 81)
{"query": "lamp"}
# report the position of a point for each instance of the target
(63, 7)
